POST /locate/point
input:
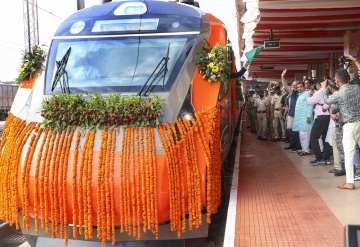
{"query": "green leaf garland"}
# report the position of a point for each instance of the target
(96, 111)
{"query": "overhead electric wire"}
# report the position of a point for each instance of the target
(46, 10)
(49, 12)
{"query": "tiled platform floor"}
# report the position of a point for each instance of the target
(276, 205)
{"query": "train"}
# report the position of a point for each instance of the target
(94, 184)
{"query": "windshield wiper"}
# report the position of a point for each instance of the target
(160, 69)
(61, 75)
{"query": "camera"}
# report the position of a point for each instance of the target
(332, 87)
(332, 84)
(344, 61)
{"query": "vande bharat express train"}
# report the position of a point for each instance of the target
(115, 48)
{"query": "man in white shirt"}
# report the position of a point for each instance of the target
(320, 127)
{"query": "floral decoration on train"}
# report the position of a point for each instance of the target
(31, 66)
(213, 63)
(97, 111)
(46, 197)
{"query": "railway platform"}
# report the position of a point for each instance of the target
(282, 201)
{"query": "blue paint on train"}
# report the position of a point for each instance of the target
(173, 17)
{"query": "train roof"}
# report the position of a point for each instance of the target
(112, 18)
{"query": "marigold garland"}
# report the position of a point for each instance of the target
(100, 200)
(122, 179)
(80, 187)
(107, 200)
(132, 183)
(147, 182)
(167, 140)
(61, 165)
(25, 176)
(111, 184)
(13, 128)
(138, 176)
(179, 153)
(154, 184)
(64, 225)
(175, 182)
(14, 174)
(44, 174)
(141, 165)
(137, 185)
(54, 183)
(37, 180)
(126, 183)
(74, 198)
(88, 189)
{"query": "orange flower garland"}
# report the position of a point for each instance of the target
(54, 183)
(61, 164)
(13, 128)
(138, 171)
(154, 184)
(88, 190)
(141, 165)
(64, 222)
(74, 185)
(49, 164)
(37, 180)
(132, 183)
(14, 174)
(100, 200)
(107, 200)
(164, 132)
(122, 179)
(147, 182)
(128, 227)
(111, 184)
(137, 166)
(81, 185)
(25, 176)
(43, 178)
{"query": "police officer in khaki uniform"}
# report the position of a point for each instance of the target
(278, 120)
(251, 112)
(269, 114)
(261, 104)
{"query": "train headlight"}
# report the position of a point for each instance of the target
(188, 116)
(131, 8)
(77, 27)
(187, 109)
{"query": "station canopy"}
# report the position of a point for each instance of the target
(308, 30)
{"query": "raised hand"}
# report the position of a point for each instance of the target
(283, 74)
(324, 83)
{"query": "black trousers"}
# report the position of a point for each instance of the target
(294, 140)
(319, 130)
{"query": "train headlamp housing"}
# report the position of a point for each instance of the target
(187, 109)
(131, 8)
(77, 27)
(187, 116)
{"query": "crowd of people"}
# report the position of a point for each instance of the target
(319, 118)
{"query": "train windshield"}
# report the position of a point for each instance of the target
(121, 64)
